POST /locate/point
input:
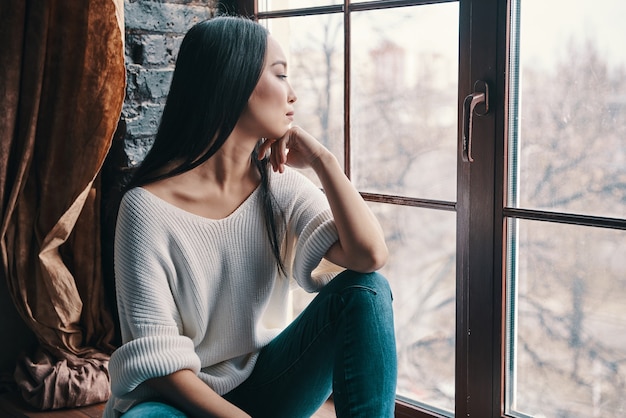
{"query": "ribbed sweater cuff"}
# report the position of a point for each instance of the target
(147, 357)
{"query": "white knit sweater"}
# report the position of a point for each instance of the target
(206, 295)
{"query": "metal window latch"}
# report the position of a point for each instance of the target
(475, 103)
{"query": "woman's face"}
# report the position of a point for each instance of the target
(269, 112)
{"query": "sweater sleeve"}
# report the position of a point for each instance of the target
(313, 243)
(312, 225)
(149, 320)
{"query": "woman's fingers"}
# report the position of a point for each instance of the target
(264, 147)
(296, 148)
(279, 150)
(281, 145)
(275, 158)
(267, 145)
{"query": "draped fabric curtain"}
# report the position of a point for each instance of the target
(62, 85)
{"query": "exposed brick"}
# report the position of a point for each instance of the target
(156, 83)
(136, 149)
(164, 17)
(147, 83)
(146, 121)
(132, 89)
(159, 49)
(154, 31)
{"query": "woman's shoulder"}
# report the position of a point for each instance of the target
(137, 198)
(140, 206)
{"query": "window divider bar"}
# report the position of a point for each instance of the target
(351, 7)
(308, 11)
(409, 201)
(346, 88)
(390, 4)
(566, 218)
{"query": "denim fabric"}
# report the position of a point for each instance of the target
(343, 342)
(153, 409)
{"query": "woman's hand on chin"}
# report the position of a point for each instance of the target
(296, 148)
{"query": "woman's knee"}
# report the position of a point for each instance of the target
(373, 282)
(367, 309)
(365, 295)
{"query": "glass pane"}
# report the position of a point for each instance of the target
(273, 5)
(404, 100)
(421, 270)
(571, 111)
(314, 49)
(567, 321)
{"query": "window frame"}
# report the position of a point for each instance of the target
(483, 41)
(481, 203)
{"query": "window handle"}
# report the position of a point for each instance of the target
(478, 103)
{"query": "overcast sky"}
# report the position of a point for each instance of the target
(547, 25)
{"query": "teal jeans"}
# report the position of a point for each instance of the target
(343, 343)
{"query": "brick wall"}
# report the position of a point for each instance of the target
(154, 30)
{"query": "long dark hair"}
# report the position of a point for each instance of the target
(218, 66)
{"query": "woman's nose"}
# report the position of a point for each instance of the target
(291, 98)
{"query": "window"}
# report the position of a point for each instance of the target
(566, 204)
(508, 271)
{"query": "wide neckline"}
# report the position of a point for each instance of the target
(168, 205)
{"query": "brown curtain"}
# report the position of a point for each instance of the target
(62, 80)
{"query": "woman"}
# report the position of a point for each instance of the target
(213, 226)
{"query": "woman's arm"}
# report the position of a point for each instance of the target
(184, 390)
(361, 246)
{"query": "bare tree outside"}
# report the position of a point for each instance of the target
(571, 280)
